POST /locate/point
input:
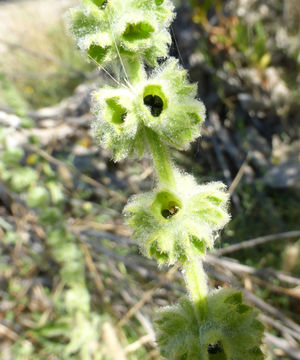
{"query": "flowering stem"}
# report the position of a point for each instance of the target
(197, 285)
(161, 159)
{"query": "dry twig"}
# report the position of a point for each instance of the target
(257, 241)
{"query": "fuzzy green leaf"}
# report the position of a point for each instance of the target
(224, 333)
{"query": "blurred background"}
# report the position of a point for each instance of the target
(72, 283)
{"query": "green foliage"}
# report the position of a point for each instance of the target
(20, 180)
(28, 81)
(12, 156)
(72, 319)
(10, 238)
(37, 197)
(11, 96)
(252, 43)
(228, 329)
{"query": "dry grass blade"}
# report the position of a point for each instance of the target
(274, 312)
(148, 295)
(37, 54)
(115, 350)
(257, 241)
(8, 333)
(267, 320)
(294, 292)
(284, 345)
(137, 344)
(238, 176)
(240, 268)
(93, 270)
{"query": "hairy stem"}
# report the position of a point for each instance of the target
(134, 69)
(195, 278)
(161, 160)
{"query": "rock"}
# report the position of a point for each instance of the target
(279, 92)
(284, 175)
(254, 144)
(285, 151)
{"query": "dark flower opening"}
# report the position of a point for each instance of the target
(123, 116)
(216, 351)
(101, 3)
(172, 209)
(166, 205)
(155, 104)
(155, 99)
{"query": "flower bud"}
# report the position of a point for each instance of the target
(229, 329)
(178, 224)
(104, 29)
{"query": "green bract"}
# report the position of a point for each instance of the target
(165, 103)
(104, 29)
(178, 224)
(228, 330)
